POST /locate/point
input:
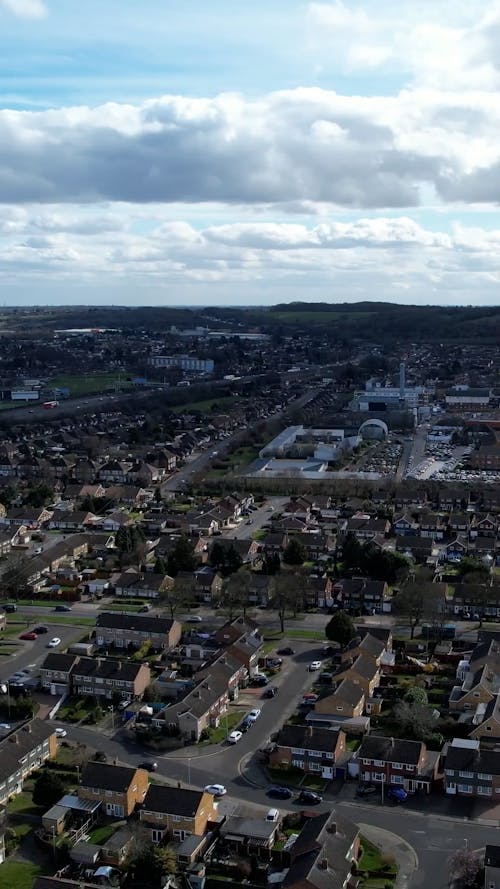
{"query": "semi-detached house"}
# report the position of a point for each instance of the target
(176, 812)
(114, 629)
(118, 788)
(397, 763)
(22, 752)
(471, 770)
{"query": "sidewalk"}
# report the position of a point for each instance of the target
(390, 843)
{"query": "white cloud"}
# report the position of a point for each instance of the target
(26, 9)
(286, 148)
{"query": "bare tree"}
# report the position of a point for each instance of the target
(464, 866)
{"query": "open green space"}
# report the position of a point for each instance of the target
(102, 833)
(22, 803)
(216, 735)
(313, 635)
(21, 874)
(125, 606)
(207, 406)
(78, 384)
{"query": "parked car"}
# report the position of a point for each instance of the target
(366, 789)
(314, 665)
(253, 715)
(63, 608)
(61, 733)
(144, 609)
(271, 691)
(279, 792)
(287, 650)
(245, 724)
(215, 789)
(398, 794)
(54, 642)
(30, 636)
(40, 630)
(234, 736)
(309, 797)
(258, 680)
(194, 619)
(10, 608)
(5, 727)
(148, 765)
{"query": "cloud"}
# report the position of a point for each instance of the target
(26, 9)
(284, 148)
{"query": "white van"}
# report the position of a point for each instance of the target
(273, 815)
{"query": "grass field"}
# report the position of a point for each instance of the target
(89, 385)
(204, 406)
(21, 874)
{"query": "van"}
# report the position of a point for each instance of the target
(123, 705)
(273, 815)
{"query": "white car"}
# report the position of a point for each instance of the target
(5, 727)
(215, 789)
(54, 642)
(314, 665)
(253, 715)
(234, 737)
(61, 733)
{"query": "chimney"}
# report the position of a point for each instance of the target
(309, 731)
(332, 827)
(323, 863)
(392, 742)
(27, 727)
(14, 739)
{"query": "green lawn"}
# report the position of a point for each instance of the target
(91, 384)
(216, 735)
(313, 782)
(102, 833)
(315, 635)
(18, 874)
(133, 609)
(23, 803)
(380, 869)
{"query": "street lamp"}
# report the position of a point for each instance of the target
(189, 771)
(112, 717)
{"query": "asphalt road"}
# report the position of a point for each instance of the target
(255, 520)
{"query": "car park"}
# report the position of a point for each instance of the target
(234, 736)
(279, 792)
(54, 642)
(215, 789)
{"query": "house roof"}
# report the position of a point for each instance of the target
(107, 777)
(368, 644)
(319, 856)
(473, 758)
(308, 737)
(492, 856)
(172, 800)
(364, 666)
(112, 620)
(390, 749)
(348, 691)
(59, 661)
(107, 669)
(15, 745)
(252, 828)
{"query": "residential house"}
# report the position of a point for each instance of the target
(454, 550)
(346, 702)
(114, 521)
(32, 517)
(118, 788)
(201, 708)
(324, 854)
(299, 508)
(207, 584)
(364, 529)
(359, 594)
(367, 645)
(274, 542)
(103, 677)
(419, 548)
(22, 752)
(114, 472)
(397, 763)
(55, 672)
(315, 751)
(249, 836)
(315, 545)
(132, 584)
(114, 629)
(226, 669)
(63, 520)
(487, 722)
(363, 671)
(405, 526)
(471, 770)
(176, 812)
(433, 525)
(478, 687)
(484, 526)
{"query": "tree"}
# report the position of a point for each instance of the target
(285, 593)
(417, 601)
(414, 720)
(464, 865)
(236, 592)
(416, 695)
(271, 564)
(48, 789)
(294, 553)
(178, 595)
(149, 863)
(340, 628)
(181, 558)
(38, 495)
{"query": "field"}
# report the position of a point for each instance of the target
(90, 385)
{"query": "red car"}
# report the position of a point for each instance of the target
(31, 636)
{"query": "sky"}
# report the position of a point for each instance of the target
(221, 152)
